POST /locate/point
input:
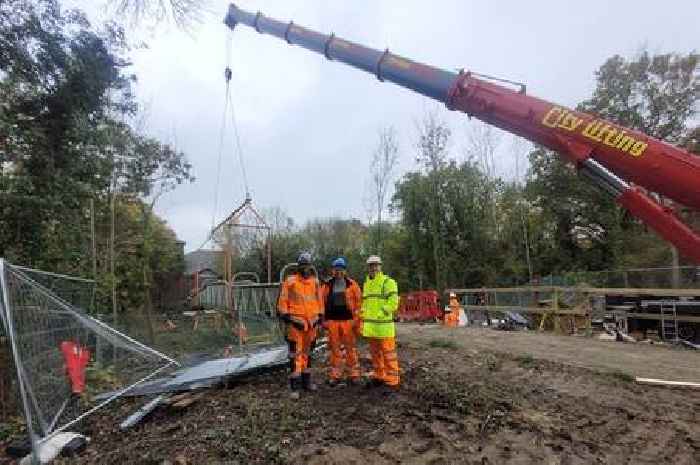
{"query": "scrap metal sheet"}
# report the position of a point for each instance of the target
(210, 372)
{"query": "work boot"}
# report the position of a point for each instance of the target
(294, 387)
(307, 383)
(332, 382)
(354, 381)
(388, 390)
(374, 383)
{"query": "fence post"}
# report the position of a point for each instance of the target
(7, 321)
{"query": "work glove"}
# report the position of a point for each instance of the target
(316, 321)
(298, 323)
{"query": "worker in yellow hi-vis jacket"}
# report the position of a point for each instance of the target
(380, 303)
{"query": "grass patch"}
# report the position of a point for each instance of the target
(619, 375)
(11, 428)
(442, 344)
(526, 361)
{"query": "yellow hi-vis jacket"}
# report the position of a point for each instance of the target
(380, 302)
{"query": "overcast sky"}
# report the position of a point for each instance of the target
(308, 126)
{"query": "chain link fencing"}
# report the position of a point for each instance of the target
(64, 359)
(684, 277)
(225, 322)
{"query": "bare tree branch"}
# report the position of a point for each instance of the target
(184, 13)
(382, 170)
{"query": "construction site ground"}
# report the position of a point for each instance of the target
(475, 396)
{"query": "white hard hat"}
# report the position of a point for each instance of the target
(452, 294)
(374, 259)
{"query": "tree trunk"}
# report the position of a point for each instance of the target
(379, 231)
(147, 302)
(437, 249)
(148, 305)
(111, 256)
(94, 251)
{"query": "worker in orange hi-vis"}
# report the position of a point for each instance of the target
(452, 316)
(380, 303)
(300, 307)
(342, 299)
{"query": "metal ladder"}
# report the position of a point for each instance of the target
(669, 322)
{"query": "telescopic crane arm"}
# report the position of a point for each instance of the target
(611, 155)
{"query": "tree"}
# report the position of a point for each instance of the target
(183, 12)
(463, 221)
(482, 142)
(56, 78)
(433, 142)
(64, 100)
(148, 170)
(382, 169)
(656, 94)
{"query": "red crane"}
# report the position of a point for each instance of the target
(618, 159)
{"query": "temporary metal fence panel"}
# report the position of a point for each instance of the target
(79, 292)
(63, 357)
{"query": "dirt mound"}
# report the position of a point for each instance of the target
(457, 405)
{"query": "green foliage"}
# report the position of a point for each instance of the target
(584, 228)
(655, 94)
(64, 97)
(526, 361)
(461, 204)
(460, 226)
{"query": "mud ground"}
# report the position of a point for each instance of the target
(472, 396)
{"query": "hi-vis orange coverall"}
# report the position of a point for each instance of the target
(300, 305)
(342, 299)
(452, 318)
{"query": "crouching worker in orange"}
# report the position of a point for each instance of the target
(342, 299)
(300, 308)
(380, 303)
(452, 315)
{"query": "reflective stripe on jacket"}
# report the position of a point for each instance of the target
(300, 297)
(380, 302)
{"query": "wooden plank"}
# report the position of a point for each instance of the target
(661, 382)
(507, 289)
(657, 316)
(628, 291)
(186, 402)
(625, 291)
(515, 308)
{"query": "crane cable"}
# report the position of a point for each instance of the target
(238, 138)
(222, 132)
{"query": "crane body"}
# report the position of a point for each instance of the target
(618, 159)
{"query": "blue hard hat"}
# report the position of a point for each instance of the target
(339, 263)
(304, 258)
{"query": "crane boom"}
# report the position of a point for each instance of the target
(609, 154)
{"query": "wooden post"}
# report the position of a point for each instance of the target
(555, 311)
(228, 273)
(269, 255)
